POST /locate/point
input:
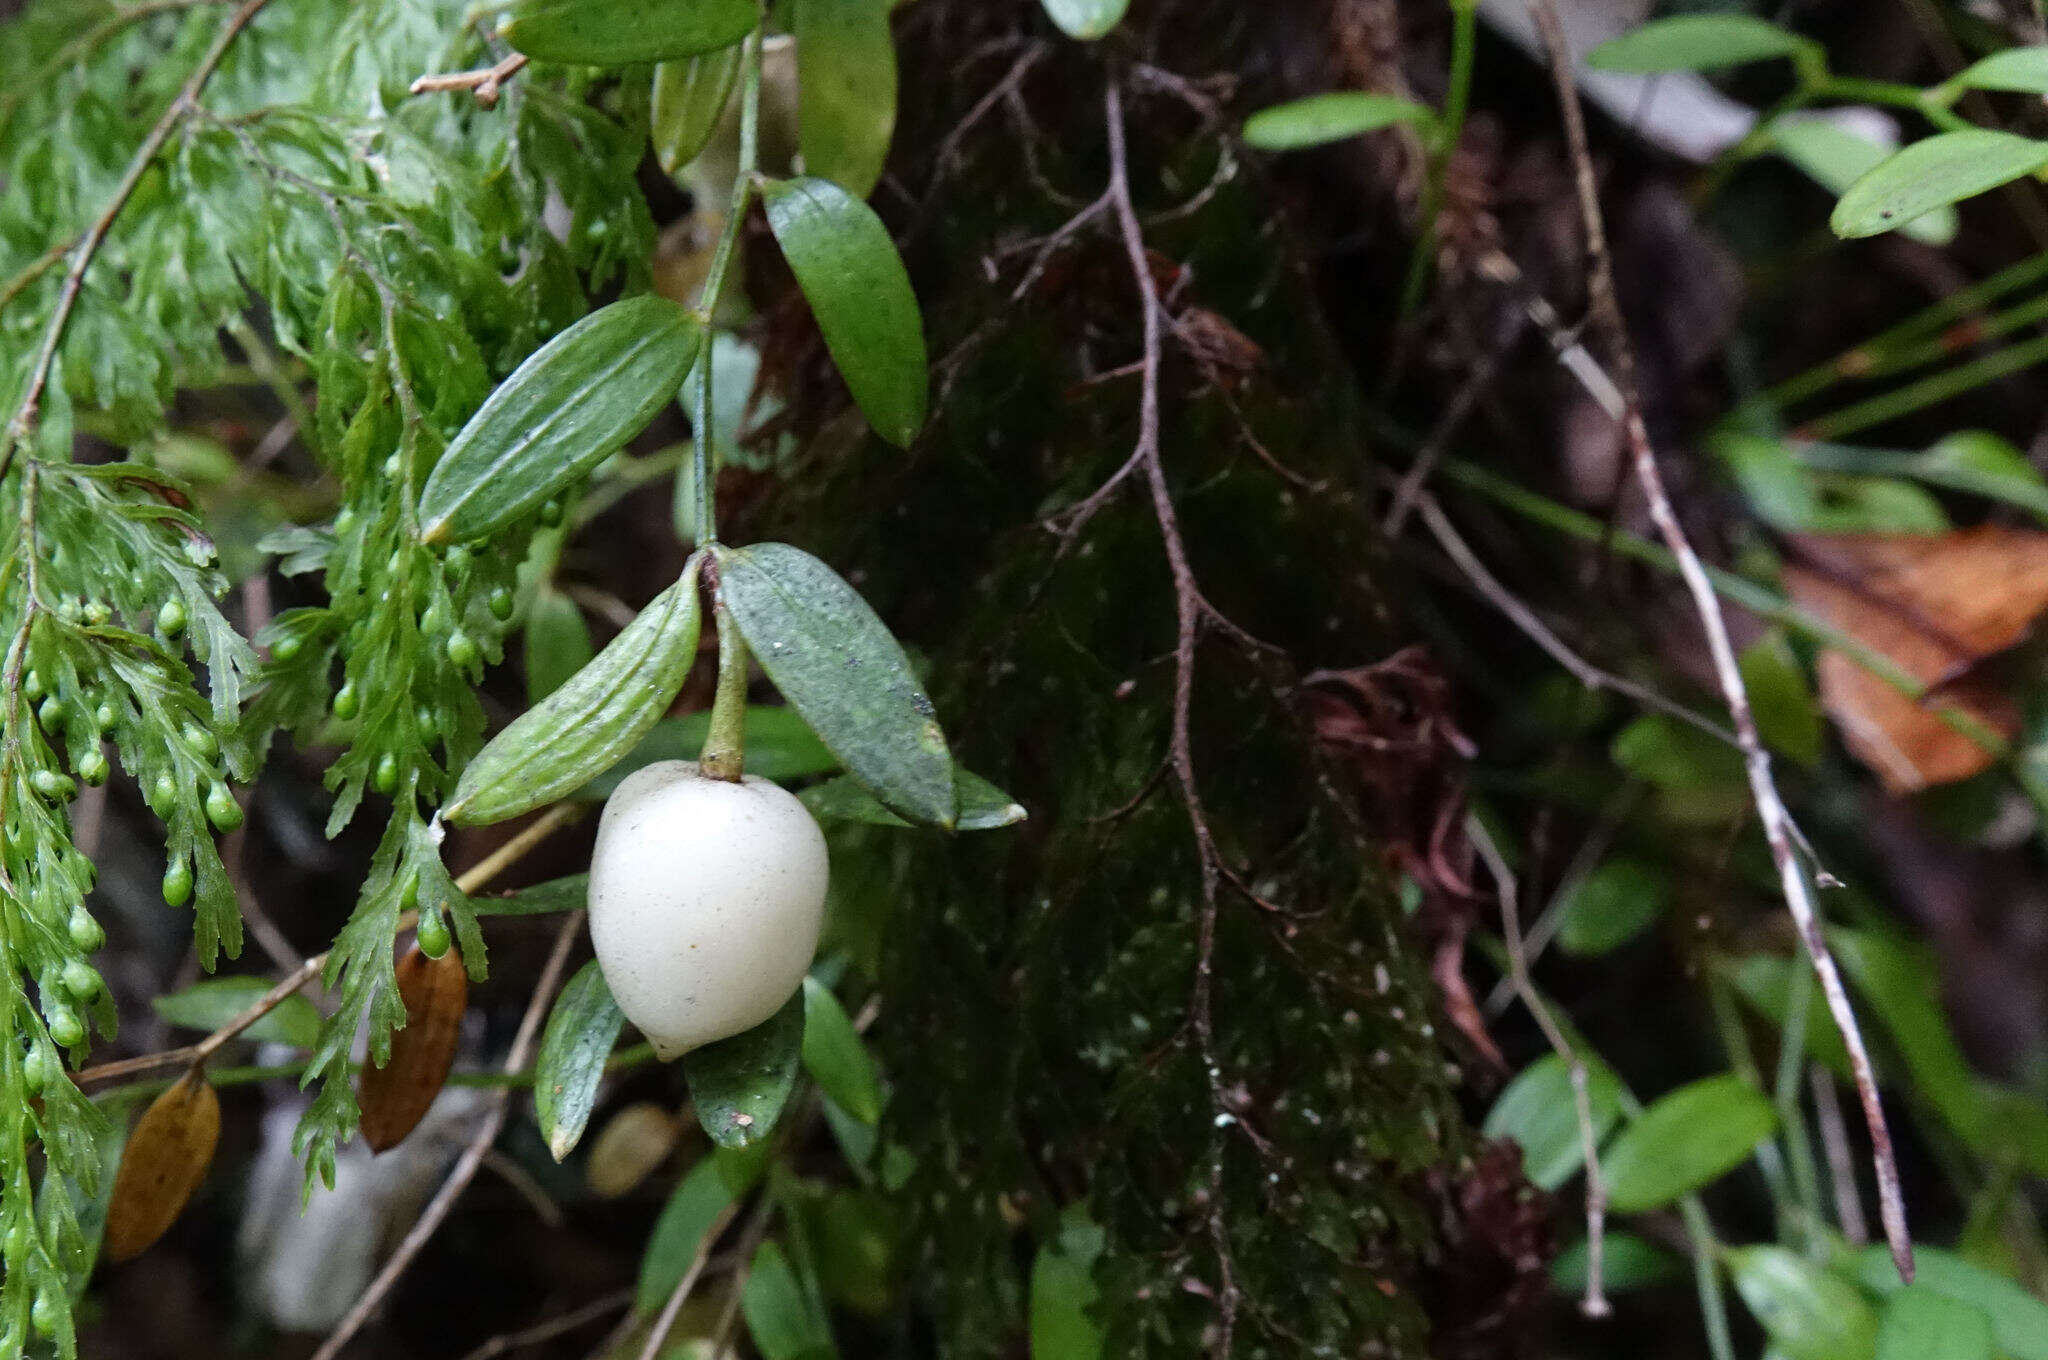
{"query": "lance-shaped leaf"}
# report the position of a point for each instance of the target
(835, 1056)
(858, 289)
(572, 404)
(395, 1096)
(739, 1085)
(1331, 117)
(689, 97)
(581, 729)
(846, 90)
(1690, 1137)
(1086, 19)
(693, 1208)
(1695, 42)
(582, 1029)
(1933, 173)
(983, 806)
(166, 1158)
(843, 673)
(621, 32)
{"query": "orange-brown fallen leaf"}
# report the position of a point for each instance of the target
(166, 1158)
(1937, 605)
(395, 1097)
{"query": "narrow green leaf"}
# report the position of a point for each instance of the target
(1695, 42)
(858, 289)
(2020, 70)
(836, 1057)
(557, 644)
(780, 746)
(846, 90)
(1331, 117)
(1809, 1312)
(1835, 157)
(212, 1002)
(1933, 173)
(690, 96)
(1063, 1290)
(783, 1312)
(1900, 983)
(983, 806)
(581, 729)
(582, 1029)
(740, 1084)
(1788, 717)
(1540, 1112)
(692, 1208)
(1086, 19)
(1920, 1323)
(1765, 982)
(2019, 1321)
(838, 666)
(1627, 1262)
(622, 32)
(542, 899)
(571, 405)
(1692, 1136)
(1616, 902)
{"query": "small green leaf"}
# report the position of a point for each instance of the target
(582, 1029)
(838, 666)
(784, 1315)
(846, 90)
(542, 899)
(835, 1056)
(740, 1084)
(622, 32)
(1901, 985)
(1662, 750)
(1616, 902)
(780, 746)
(583, 728)
(1323, 118)
(212, 1002)
(1540, 1112)
(1765, 982)
(571, 405)
(1692, 1136)
(1809, 1312)
(1695, 42)
(1627, 1262)
(983, 806)
(2020, 70)
(858, 289)
(1063, 1290)
(1932, 173)
(1920, 1323)
(2019, 1321)
(1835, 157)
(692, 1208)
(1788, 718)
(557, 644)
(1086, 19)
(690, 96)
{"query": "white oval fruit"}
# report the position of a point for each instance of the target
(706, 898)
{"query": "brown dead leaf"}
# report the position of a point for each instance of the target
(395, 1096)
(1937, 605)
(166, 1158)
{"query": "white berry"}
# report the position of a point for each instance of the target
(706, 898)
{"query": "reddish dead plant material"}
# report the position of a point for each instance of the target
(395, 1096)
(166, 1158)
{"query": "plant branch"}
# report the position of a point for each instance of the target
(472, 1158)
(484, 84)
(1771, 810)
(22, 422)
(553, 1327)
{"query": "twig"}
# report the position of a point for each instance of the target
(472, 1156)
(1462, 401)
(484, 83)
(470, 881)
(1595, 1302)
(568, 1322)
(1770, 806)
(23, 420)
(681, 1293)
(1834, 1141)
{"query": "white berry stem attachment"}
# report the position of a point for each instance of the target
(724, 754)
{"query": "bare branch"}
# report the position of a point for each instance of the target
(1763, 787)
(485, 83)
